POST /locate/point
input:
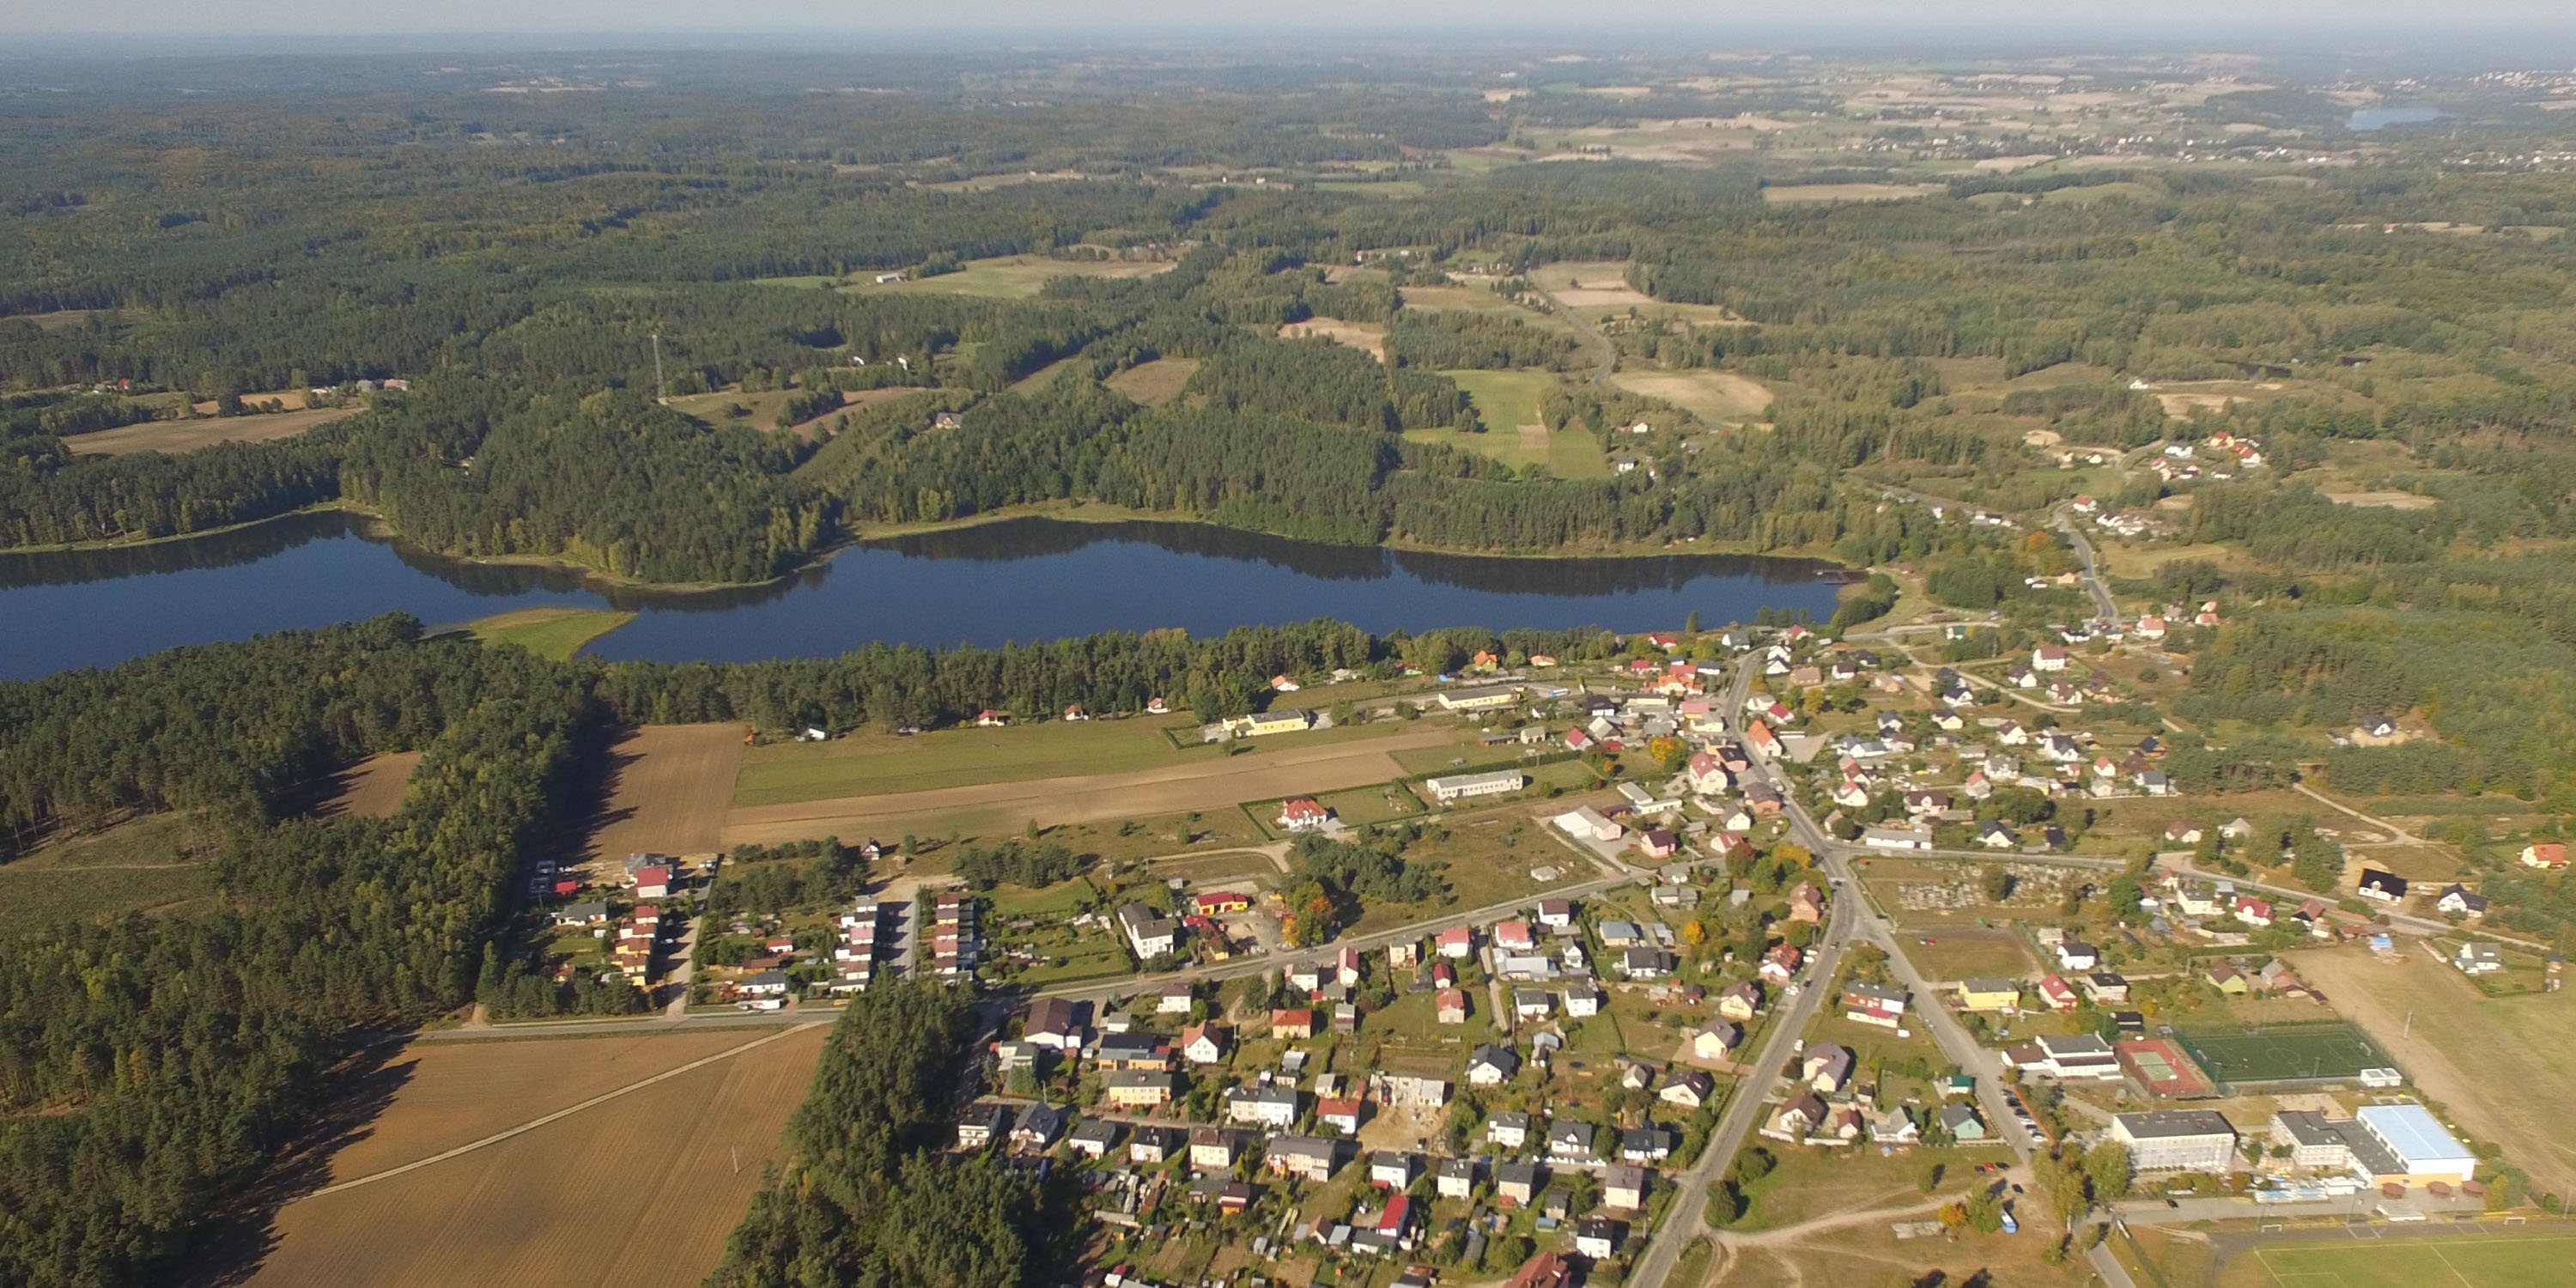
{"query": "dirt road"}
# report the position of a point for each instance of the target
(1204, 785)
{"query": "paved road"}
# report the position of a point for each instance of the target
(2062, 520)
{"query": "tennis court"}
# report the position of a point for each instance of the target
(2327, 1051)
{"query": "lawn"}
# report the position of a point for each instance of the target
(1504, 400)
(1361, 806)
(873, 764)
(1966, 955)
(2483, 1261)
(1007, 277)
(1508, 404)
(149, 862)
(557, 633)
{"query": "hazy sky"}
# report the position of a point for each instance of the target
(2283, 21)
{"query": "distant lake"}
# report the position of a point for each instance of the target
(1023, 579)
(2372, 118)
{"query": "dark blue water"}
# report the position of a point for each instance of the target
(2372, 118)
(1027, 579)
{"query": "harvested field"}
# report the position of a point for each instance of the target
(881, 764)
(1851, 192)
(1009, 276)
(2384, 500)
(373, 787)
(1717, 397)
(996, 808)
(2499, 1065)
(1157, 382)
(668, 789)
(638, 1191)
(1459, 297)
(176, 436)
(1359, 335)
(1591, 285)
(2181, 406)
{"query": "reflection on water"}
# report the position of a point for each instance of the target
(1024, 579)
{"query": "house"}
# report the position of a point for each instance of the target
(1623, 1186)
(1457, 943)
(2164, 1140)
(1556, 914)
(1310, 1158)
(1659, 843)
(1509, 1129)
(1570, 1140)
(1391, 1170)
(1598, 1238)
(591, 913)
(1826, 1067)
(1457, 787)
(2386, 887)
(1132, 1050)
(1341, 1113)
(1959, 1119)
(1457, 1178)
(2106, 987)
(1057, 1024)
(1741, 1002)
(1583, 1001)
(1492, 1065)
(653, 882)
(1587, 824)
(2075, 954)
(1895, 1127)
(2459, 901)
(2544, 854)
(1152, 1146)
(1452, 1006)
(1781, 963)
(2055, 991)
(2047, 658)
(1516, 1184)
(1149, 935)
(1039, 1126)
(1989, 994)
(1304, 814)
(1213, 1149)
(1646, 1144)
(1797, 1118)
(1645, 963)
(981, 1125)
(1688, 1088)
(1806, 904)
(1875, 1004)
(1714, 1041)
(2478, 959)
(1298, 1023)
(1137, 1088)
(1205, 1043)
(1995, 834)
(1272, 1106)
(2376, 731)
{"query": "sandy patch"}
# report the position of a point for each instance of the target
(2181, 406)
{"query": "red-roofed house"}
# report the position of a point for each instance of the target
(653, 882)
(2544, 854)
(2053, 990)
(1304, 814)
(1217, 902)
(2254, 912)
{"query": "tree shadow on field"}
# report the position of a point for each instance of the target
(243, 1230)
(592, 810)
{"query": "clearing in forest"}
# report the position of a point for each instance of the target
(150, 862)
(175, 436)
(638, 1191)
(372, 788)
(1718, 397)
(1591, 285)
(1155, 383)
(1850, 191)
(1368, 337)
(1008, 276)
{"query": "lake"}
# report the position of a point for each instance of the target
(1023, 579)
(2372, 118)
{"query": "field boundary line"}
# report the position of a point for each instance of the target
(565, 1112)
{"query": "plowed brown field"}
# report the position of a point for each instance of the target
(669, 788)
(635, 1192)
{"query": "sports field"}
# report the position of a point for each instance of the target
(2482, 1261)
(2283, 1052)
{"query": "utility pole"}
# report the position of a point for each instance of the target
(661, 388)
